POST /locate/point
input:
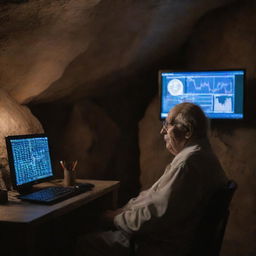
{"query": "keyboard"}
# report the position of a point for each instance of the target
(51, 195)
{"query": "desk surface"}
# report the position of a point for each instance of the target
(21, 212)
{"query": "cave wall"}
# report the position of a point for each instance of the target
(15, 119)
(74, 48)
(221, 40)
(233, 46)
(87, 73)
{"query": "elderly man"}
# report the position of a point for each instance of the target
(165, 216)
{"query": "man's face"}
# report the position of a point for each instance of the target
(174, 140)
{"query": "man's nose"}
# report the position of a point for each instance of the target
(163, 131)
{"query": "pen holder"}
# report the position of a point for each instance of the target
(69, 178)
(69, 172)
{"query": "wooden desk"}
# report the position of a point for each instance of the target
(22, 218)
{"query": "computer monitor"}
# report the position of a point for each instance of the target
(220, 93)
(29, 159)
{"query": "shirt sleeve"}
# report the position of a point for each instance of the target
(145, 194)
(133, 218)
(167, 201)
(145, 213)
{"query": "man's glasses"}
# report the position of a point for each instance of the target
(166, 124)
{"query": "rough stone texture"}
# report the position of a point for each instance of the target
(230, 43)
(89, 137)
(59, 48)
(237, 154)
(15, 119)
(84, 131)
(62, 51)
(236, 151)
(153, 155)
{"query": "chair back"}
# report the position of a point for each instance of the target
(211, 229)
(210, 232)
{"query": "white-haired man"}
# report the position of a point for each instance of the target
(165, 216)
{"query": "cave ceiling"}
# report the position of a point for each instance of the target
(51, 50)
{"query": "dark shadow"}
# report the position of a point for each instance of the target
(13, 1)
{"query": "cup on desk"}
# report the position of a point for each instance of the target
(69, 172)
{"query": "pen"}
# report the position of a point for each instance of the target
(74, 165)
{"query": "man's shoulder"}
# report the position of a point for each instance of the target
(186, 155)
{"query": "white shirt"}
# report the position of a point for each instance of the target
(168, 212)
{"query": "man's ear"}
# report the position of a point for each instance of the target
(180, 131)
(188, 133)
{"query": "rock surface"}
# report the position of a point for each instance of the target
(15, 119)
(223, 39)
(230, 43)
(153, 155)
(86, 69)
(73, 48)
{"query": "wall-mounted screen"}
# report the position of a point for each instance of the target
(220, 93)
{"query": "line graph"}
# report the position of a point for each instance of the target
(210, 85)
(218, 92)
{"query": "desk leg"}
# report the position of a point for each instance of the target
(18, 241)
(30, 241)
(114, 199)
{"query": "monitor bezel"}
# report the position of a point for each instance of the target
(28, 185)
(201, 70)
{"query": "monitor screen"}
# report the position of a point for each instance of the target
(29, 159)
(220, 93)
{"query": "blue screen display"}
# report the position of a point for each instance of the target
(219, 93)
(31, 159)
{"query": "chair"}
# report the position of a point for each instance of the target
(210, 231)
